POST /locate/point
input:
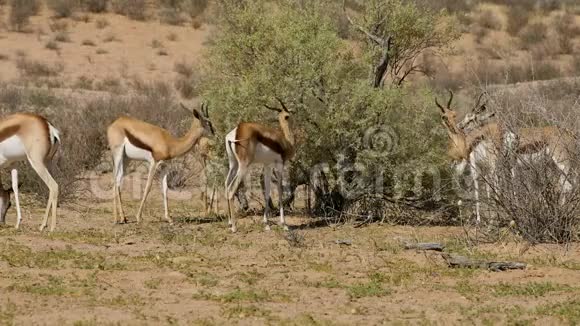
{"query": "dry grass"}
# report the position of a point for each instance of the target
(63, 8)
(134, 9)
(20, 13)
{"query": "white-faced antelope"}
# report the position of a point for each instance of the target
(26, 136)
(478, 148)
(252, 143)
(134, 139)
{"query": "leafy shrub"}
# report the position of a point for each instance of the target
(134, 9)
(21, 11)
(361, 134)
(63, 8)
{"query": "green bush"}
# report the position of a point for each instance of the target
(373, 140)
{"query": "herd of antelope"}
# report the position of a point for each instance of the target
(473, 142)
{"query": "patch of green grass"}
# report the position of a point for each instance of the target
(241, 295)
(536, 289)
(369, 289)
(17, 255)
(568, 311)
(153, 283)
(240, 311)
(328, 283)
(467, 289)
(53, 286)
(88, 236)
(250, 277)
(321, 267)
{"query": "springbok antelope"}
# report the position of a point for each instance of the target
(530, 144)
(29, 136)
(478, 148)
(138, 140)
(252, 143)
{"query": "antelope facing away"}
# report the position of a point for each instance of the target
(252, 143)
(134, 139)
(478, 148)
(530, 144)
(26, 136)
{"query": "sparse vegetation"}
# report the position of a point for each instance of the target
(101, 23)
(20, 13)
(95, 6)
(88, 43)
(134, 9)
(63, 8)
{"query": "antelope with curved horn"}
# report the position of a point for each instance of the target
(26, 136)
(134, 139)
(252, 143)
(529, 144)
(479, 147)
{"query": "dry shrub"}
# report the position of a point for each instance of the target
(95, 6)
(63, 37)
(101, 23)
(566, 30)
(517, 18)
(533, 34)
(134, 9)
(487, 19)
(542, 70)
(109, 84)
(88, 43)
(187, 82)
(52, 45)
(171, 17)
(58, 26)
(84, 121)
(20, 13)
(63, 8)
(195, 7)
(33, 69)
(528, 199)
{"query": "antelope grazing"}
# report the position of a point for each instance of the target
(478, 148)
(531, 144)
(138, 140)
(26, 136)
(252, 143)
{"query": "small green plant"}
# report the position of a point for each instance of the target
(369, 289)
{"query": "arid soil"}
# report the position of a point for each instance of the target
(196, 272)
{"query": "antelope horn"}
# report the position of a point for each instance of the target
(450, 99)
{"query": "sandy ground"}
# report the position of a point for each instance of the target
(196, 272)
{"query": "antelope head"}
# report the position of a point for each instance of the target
(448, 115)
(478, 116)
(203, 118)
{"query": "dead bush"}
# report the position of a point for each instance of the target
(171, 17)
(530, 195)
(58, 26)
(566, 30)
(63, 37)
(134, 9)
(63, 8)
(517, 18)
(101, 23)
(195, 7)
(20, 13)
(487, 19)
(32, 69)
(95, 6)
(52, 45)
(533, 34)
